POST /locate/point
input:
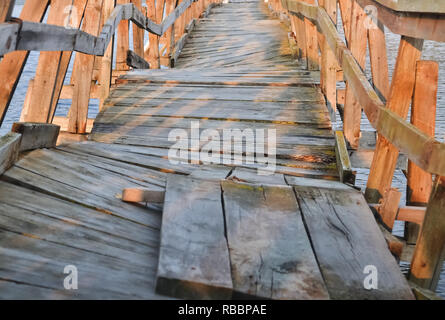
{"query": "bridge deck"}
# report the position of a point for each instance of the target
(296, 234)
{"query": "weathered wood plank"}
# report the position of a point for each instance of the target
(36, 135)
(347, 175)
(9, 150)
(346, 239)
(194, 258)
(270, 253)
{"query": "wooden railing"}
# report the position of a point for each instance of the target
(88, 28)
(386, 105)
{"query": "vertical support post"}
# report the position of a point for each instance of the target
(311, 42)
(123, 42)
(357, 44)
(423, 116)
(47, 72)
(328, 59)
(399, 100)
(152, 52)
(168, 37)
(379, 59)
(138, 33)
(83, 69)
(12, 65)
(345, 11)
(429, 253)
(6, 7)
(107, 60)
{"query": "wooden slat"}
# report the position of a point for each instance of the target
(107, 59)
(423, 116)
(346, 239)
(194, 258)
(9, 150)
(12, 64)
(347, 175)
(36, 135)
(6, 8)
(399, 100)
(428, 256)
(83, 68)
(270, 252)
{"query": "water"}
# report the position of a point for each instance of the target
(432, 51)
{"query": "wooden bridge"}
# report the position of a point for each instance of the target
(215, 167)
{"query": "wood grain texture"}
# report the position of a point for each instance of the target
(194, 259)
(270, 253)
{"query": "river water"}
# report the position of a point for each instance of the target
(432, 51)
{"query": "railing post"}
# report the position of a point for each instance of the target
(429, 253)
(357, 44)
(399, 100)
(123, 42)
(328, 60)
(107, 60)
(138, 33)
(313, 59)
(423, 116)
(83, 72)
(152, 52)
(6, 7)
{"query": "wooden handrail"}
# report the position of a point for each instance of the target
(31, 36)
(424, 151)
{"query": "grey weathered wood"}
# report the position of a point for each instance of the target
(135, 61)
(194, 258)
(347, 175)
(270, 253)
(345, 238)
(9, 150)
(142, 195)
(36, 135)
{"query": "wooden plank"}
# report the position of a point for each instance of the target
(9, 150)
(194, 259)
(313, 60)
(83, 72)
(399, 100)
(107, 59)
(357, 45)
(142, 195)
(136, 62)
(36, 135)
(347, 175)
(423, 117)
(378, 58)
(6, 8)
(123, 42)
(389, 207)
(346, 239)
(270, 252)
(138, 33)
(428, 255)
(47, 71)
(430, 6)
(153, 55)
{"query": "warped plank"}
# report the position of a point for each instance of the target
(270, 252)
(194, 258)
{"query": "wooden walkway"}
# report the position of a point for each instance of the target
(226, 231)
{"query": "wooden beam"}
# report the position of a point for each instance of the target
(52, 66)
(12, 64)
(83, 72)
(347, 175)
(152, 52)
(107, 59)
(313, 59)
(411, 214)
(428, 255)
(423, 117)
(257, 258)
(194, 260)
(123, 42)
(6, 7)
(357, 45)
(379, 59)
(135, 61)
(9, 150)
(399, 100)
(138, 33)
(389, 207)
(142, 195)
(36, 135)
